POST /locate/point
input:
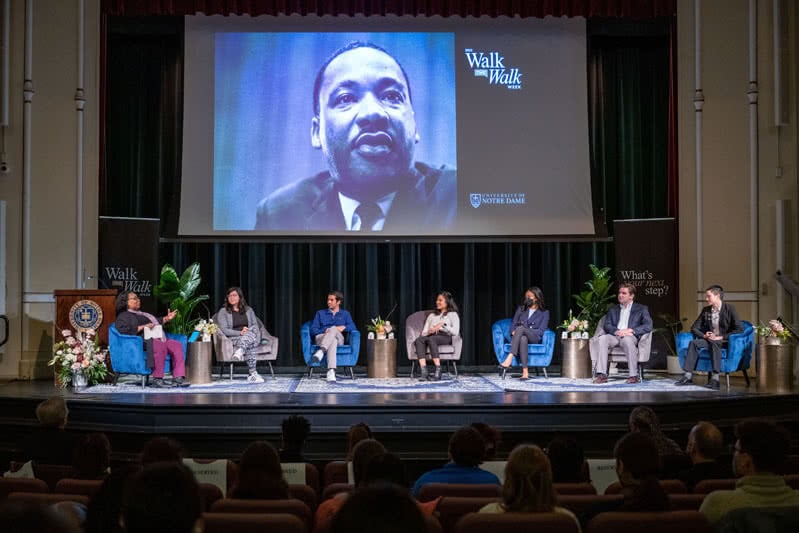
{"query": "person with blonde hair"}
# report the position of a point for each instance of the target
(528, 485)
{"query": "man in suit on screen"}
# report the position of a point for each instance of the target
(364, 123)
(624, 325)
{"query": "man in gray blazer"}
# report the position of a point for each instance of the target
(365, 125)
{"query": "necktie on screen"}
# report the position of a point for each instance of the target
(369, 213)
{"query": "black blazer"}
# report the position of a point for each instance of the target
(729, 322)
(539, 322)
(640, 321)
(128, 323)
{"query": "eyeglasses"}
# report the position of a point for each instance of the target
(133, 298)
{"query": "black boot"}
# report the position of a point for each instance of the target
(437, 375)
(423, 375)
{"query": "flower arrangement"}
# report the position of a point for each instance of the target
(774, 332)
(380, 326)
(79, 357)
(575, 327)
(206, 328)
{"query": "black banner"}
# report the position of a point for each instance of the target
(646, 256)
(129, 256)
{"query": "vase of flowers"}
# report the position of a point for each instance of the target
(206, 329)
(773, 333)
(379, 327)
(79, 359)
(574, 328)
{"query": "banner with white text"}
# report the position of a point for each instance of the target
(129, 257)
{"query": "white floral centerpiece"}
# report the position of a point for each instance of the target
(380, 327)
(206, 328)
(574, 327)
(79, 359)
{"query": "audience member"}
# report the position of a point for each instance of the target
(92, 457)
(34, 518)
(383, 508)
(105, 507)
(294, 432)
(162, 498)
(357, 433)
(161, 449)
(637, 466)
(492, 438)
(49, 443)
(362, 454)
(761, 452)
(672, 459)
(705, 445)
(466, 451)
(528, 485)
(567, 460)
(260, 474)
(73, 512)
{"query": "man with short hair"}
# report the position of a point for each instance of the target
(365, 125)
(49, 442)
(761, 452)
(294, 432)
(711, 330)
(624, 325)
(705, 445)
(327, 331)
(162, 498)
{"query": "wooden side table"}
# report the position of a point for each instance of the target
(381, 358)
(198, 363)
(576, 359)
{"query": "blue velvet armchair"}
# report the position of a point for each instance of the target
(538, 355)
(346, 355)
(128, 356)
(736, 356)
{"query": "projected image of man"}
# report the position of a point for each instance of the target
(365, 125)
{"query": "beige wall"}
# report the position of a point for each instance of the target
(45, 257)
(731, 150)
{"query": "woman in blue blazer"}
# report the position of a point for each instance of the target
(529, 323)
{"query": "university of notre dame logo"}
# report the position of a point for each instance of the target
(85, 314)
(475, 199)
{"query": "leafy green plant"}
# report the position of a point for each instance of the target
(668, 332)
(593, 302)
(177, 293)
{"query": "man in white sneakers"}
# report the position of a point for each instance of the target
(327, 331)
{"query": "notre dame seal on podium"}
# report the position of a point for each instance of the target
(85, 314)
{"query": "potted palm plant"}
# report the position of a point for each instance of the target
(177, 293)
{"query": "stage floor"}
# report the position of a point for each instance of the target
(402, 413)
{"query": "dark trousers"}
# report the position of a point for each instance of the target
(519, 341)
(432, 342)
(692, 355)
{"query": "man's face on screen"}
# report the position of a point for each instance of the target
(366, 126)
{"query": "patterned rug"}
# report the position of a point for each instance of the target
(473, 383)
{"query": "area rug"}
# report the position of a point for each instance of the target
(464, 384)
(552, 384)
(132, 385)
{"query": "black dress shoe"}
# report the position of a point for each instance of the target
(181, 382)
(684, 381)
(158, 383)
(713, 384)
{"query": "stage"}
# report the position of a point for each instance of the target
(413, 419)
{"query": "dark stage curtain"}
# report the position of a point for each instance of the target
(286, 282)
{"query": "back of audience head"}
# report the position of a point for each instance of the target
(567, 460)
(105, 507)
(492, 438)
(260, 474)
(92, 456)
(528, 481)
(385, 468)
(34, 518)
(383, 507)
(637, 466)
(645, 420)
(762, 447)
(295, 430)
(357, 433)
(705, 442)
(52, 413)
(162, 498)
(362, 454)
(466, 447)
(161, 449)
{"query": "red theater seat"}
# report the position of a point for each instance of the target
(667, 522)
(252, 523)
(431, 491)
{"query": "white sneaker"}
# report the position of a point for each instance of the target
(238, 355)
(255, 378)
(331, 375)
(318, 355)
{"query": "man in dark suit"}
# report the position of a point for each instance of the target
(624, 325)
(711, 329)
(364, 123)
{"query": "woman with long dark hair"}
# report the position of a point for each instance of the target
(260, 474)
(439, 328)
(529, 323)
(237, 321)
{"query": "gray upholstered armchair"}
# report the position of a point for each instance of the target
(266, 351)
(616, 355)
(413, 328)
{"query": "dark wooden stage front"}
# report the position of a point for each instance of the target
(416, 426)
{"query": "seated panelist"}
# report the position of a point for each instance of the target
(529, 323)
(439, 328)
(237, 321)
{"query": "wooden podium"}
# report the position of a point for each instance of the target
(84, 308)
